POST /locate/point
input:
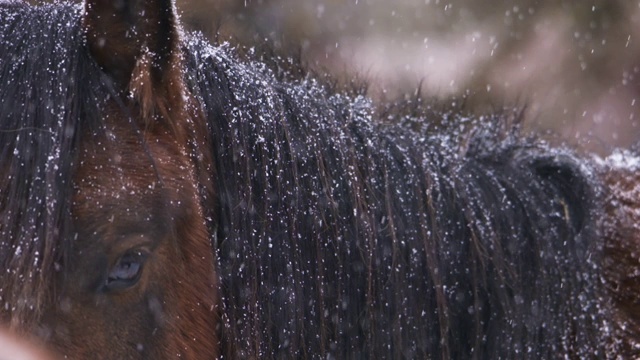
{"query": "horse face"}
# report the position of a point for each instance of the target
(140, 272)
(139, 279)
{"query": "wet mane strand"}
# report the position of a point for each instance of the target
(344, 237)
(49, 85)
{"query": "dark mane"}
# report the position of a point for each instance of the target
(48, 86)
(344, 237)
(337, 233)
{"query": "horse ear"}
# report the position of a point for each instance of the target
(122, 34)
(137, 43)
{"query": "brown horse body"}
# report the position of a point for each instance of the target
(199, 211)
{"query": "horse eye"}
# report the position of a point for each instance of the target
(126, 272)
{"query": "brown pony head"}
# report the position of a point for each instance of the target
(131, 275)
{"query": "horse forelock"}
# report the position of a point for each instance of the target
(48, 92)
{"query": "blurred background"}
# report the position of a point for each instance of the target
(575, 64)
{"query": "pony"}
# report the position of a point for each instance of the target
(164, 197)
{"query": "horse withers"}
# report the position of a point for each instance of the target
(167, 198)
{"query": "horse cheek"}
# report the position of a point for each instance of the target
(198, 300)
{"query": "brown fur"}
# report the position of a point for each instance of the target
(622, 254)
(121, 185)
(119, 32)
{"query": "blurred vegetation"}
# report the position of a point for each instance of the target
(574, 63)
